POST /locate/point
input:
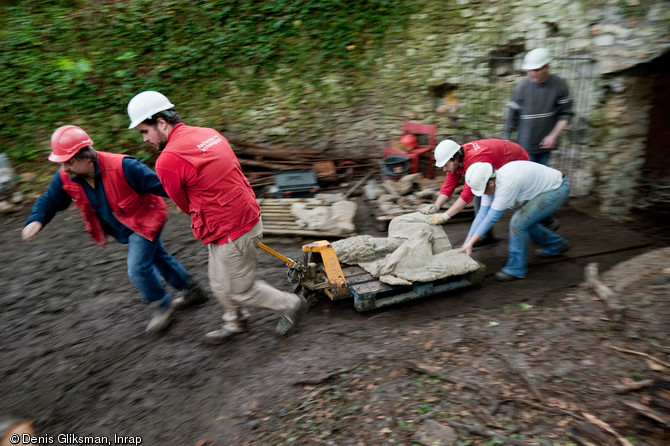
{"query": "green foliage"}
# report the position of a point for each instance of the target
(403, 425)
(81, 61)
(629, 8)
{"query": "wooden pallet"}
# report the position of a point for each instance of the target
(278, 219)
(370, 293)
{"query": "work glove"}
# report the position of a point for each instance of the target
(439, 219)
(430, 209)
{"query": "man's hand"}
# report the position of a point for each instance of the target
(430, 209)
(439, 219)
(468, 244)
(31, 230)
(466, 249)
(549, 142)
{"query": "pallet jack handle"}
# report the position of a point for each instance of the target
(290, 262)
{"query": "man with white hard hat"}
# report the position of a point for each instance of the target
(535, 192)
(203, 177)
(540, 108)
(455, 159)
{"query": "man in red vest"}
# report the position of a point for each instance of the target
(117, 196)
(202, 175)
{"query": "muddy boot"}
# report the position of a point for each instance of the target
(289, 322)
(194, 295)
(229, 329)
(159, 320)
(502, 276)
(220, 336)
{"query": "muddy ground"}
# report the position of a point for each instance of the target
(526, 362)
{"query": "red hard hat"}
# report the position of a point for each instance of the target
(408, 139)
(66, 141)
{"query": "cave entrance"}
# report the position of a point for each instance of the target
(656, 170)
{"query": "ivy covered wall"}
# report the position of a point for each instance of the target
(332, 74)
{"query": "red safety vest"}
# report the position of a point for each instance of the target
(144, 213)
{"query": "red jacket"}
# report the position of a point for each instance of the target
(202, 175)
(144, 213)
(495, 151)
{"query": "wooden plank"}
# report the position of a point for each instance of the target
(272, 165)
(370, 287)
(251, 149)
(278, 217)
(303, 232)
(356, 274)
(289, 200)
(325, 169)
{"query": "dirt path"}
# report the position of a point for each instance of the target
(525, 359)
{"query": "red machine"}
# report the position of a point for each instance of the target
(423, 148)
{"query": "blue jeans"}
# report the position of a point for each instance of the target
(525, 226)
(148, 262)
(540, 158)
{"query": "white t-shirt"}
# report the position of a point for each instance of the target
(520, 181)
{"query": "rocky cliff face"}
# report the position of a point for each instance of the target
(455, 66)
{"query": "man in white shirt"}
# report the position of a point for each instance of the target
(536, 192)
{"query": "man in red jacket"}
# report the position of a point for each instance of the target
(455, 159)
(202, 175)
(117, 196)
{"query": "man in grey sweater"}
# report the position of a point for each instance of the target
(541, 107)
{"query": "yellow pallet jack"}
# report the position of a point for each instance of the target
(321, 273)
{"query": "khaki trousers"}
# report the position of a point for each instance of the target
(232, 277)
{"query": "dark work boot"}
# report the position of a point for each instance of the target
(194, 295)
(289, 322)
(159, 320)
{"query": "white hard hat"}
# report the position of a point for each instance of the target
(536, 58)
(146, 104)
(477, 177)
(444, 151)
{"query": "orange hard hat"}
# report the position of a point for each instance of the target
(409, 140)
(66, 141)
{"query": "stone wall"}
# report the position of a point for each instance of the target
(430, 73)
(614, 156)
